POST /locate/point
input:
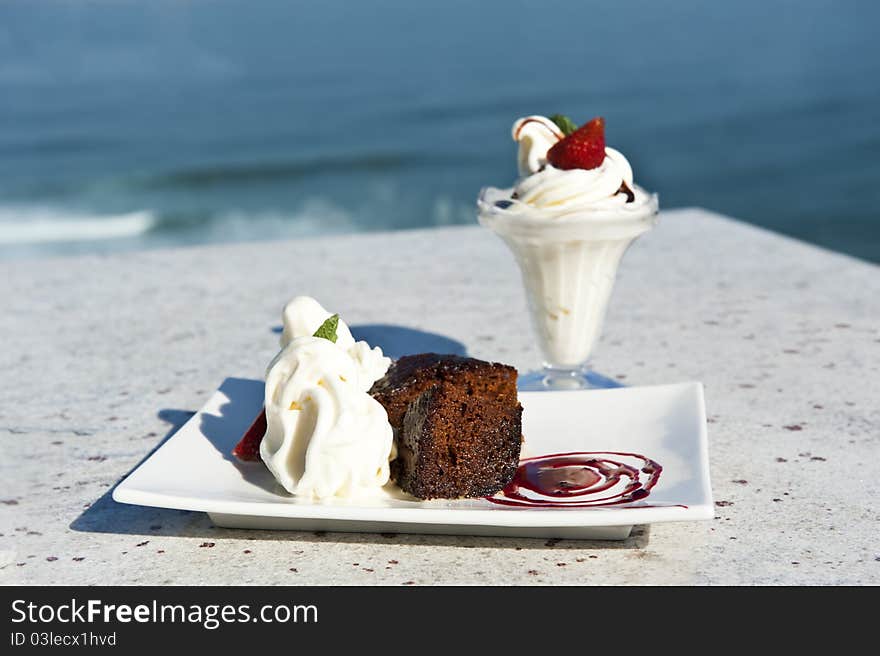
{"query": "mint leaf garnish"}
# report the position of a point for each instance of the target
(327, 330)
(564, 123)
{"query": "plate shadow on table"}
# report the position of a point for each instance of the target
(223, 431)
(396, 341)
(107, 516)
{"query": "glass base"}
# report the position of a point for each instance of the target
(552, 379)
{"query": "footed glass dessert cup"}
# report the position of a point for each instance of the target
(569, 264)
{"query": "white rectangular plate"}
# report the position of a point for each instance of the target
(194, 469)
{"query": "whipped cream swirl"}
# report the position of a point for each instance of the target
(303, 315)
(577, 190)
(325, 436)
(557, 192)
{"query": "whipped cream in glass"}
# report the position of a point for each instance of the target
(326, 436)
(568, 230)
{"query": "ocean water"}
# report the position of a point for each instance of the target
(154, 123)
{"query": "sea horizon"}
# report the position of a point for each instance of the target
(136, 125)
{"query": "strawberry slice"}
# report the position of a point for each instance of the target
(582, 149)
(248, 447)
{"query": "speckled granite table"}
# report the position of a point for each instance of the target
(103, 357)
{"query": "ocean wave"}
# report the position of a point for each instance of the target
(226, 174)
(314, 217)
(36, 225)
(31, 230)
(60, 145)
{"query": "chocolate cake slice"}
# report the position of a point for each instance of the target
(457, 421)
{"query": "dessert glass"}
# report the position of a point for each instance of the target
(569, 265)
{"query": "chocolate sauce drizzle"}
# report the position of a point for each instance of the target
(580, 480)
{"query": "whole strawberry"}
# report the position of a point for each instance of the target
(583, 148)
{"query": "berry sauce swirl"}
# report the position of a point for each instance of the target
(580, 480)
